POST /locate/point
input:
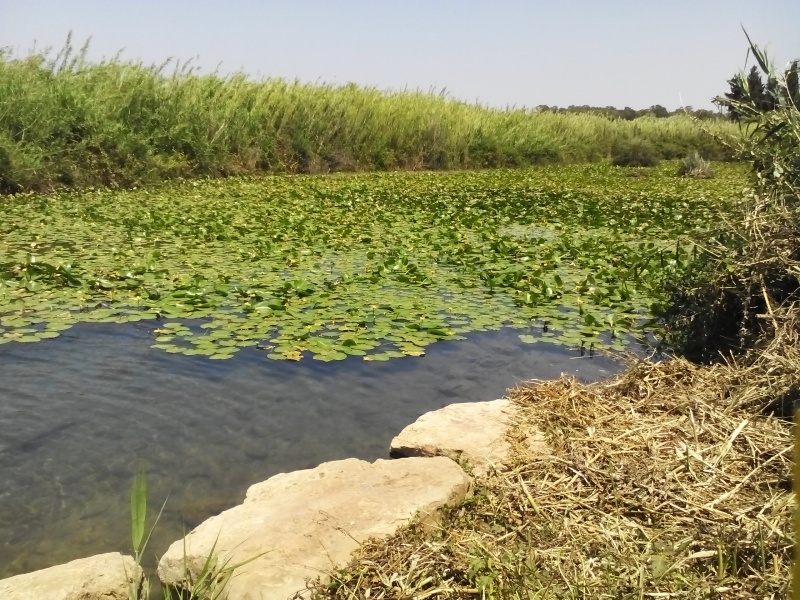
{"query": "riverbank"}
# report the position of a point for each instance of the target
(669, 480)
(71, 123)
(673, 480)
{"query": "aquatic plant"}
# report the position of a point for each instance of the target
(377, 266)
(209, 582)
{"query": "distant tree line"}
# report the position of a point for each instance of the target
(751, 94)
(629, 114)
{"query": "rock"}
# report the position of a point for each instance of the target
(474, 432)
(102, 577)
(300, 525)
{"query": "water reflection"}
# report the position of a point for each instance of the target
(78, 413)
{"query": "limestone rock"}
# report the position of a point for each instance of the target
(471, 431)
(101, 577)
(300, 525)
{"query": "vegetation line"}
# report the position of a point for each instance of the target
(68, 122)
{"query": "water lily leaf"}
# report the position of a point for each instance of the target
(423, 255)
(47, 335)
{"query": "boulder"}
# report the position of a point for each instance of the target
(472, 432)
(298, 526)
(102, 577)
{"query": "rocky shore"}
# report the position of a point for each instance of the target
(296, 527)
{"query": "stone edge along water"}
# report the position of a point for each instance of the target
(101, 577)
(295, 527)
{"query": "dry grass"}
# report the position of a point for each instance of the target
(670, 481)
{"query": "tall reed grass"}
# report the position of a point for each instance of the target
(66, 121)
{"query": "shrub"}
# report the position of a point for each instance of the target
(696, 166)
(634, 152)
(746, 281)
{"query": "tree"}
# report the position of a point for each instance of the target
(659, 111)
(734, 97)
(792, 87)
(755, 89)
(749, 95)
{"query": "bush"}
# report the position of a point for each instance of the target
(746, 281)
(634, 152)
(695, 166)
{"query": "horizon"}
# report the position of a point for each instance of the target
(492, 55)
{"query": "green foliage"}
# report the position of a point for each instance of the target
(695, 165)
(209, 583)
(634, 152)
(748, 268)
(138, 512)
(749, 95)
(629, 114)
(68, 122)
(374, 266)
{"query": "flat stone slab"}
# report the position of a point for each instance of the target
(300, 525)
(474, 432)
(102, 577)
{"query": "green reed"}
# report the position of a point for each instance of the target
(70, 122)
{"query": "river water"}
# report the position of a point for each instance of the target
(80, 413)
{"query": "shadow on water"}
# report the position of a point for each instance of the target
(79, 413)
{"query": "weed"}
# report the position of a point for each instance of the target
(695, 166)
(634, 152)
(209, 583)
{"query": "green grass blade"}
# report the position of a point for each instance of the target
(138, 509)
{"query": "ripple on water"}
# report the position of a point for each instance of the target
(80, 412)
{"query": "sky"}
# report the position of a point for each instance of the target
(499, 53)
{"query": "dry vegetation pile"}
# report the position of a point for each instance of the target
(748, 281)
(669, 481)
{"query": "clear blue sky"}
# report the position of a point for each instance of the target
(498, 52)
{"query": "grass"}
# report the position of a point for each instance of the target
(634, 152)
(68, 122)
(206, 581)
(695, 165)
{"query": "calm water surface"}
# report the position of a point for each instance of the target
(79, 413)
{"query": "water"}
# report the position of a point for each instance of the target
(78, 414)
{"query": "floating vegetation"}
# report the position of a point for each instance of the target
(377, 265)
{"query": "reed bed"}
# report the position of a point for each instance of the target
(69, 122)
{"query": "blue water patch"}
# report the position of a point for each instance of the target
(78, 414)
